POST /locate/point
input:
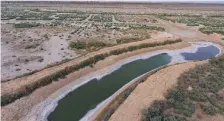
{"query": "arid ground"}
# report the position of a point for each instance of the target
(40, 39)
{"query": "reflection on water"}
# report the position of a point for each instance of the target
(202, 53)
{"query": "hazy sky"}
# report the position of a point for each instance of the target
(130, 0)
(154, 0)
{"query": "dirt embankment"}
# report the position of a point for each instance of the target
(154, 88)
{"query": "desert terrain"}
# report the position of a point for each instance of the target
(41, 40)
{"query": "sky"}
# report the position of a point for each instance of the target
(152, 0)
(203, 1)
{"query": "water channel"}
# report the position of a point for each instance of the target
(77, 103)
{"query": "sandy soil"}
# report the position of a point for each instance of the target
(28, 50)
(25, 50)
(154, 88)
(13, 85)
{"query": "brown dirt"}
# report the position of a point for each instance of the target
(152, 89)
(15, 84)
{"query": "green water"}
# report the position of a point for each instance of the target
(78, 102)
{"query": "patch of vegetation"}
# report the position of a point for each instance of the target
(26, 25)
(147, 27)
(154, 21)
(28, 89)
(134, 18)
(74, 16)
(32, 46)
(212, 24)
(9, 13)
(211, 30)
(204, 83)
(209, 109)
(84, 45)
(77, 45)
(127, 40)
(34, 16)
(101, 18)
(56, 23)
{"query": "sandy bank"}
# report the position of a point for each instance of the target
(152, 89)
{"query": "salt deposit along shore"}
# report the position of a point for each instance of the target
(42, 110)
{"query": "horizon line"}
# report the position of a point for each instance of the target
(116, 1)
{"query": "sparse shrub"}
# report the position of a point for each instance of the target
(77, 45)
(127, 40)
(83, 45)
(33, 46)
(41, 60)
(154, 21)
(96, 44)
(177, 94)
(206, 82)
(18, 69)
(209, 109)
(197, 95)
(148, 27)
(26, 25)
(9, 98)
(153, 113)
(174, 118)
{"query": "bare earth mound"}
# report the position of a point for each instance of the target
(154, 88)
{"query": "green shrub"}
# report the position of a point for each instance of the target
(153, 113)
(132, 48)
(192, 24)
(174, 118)
(209, 109)
(197, 95)
(127, 40)
(96, 44)
(148, 27)
(206, 81)
(83, 45)
(77, 45)
(26, 25)
(177, 94)
(216, 101)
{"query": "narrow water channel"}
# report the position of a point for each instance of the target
(78, 102)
